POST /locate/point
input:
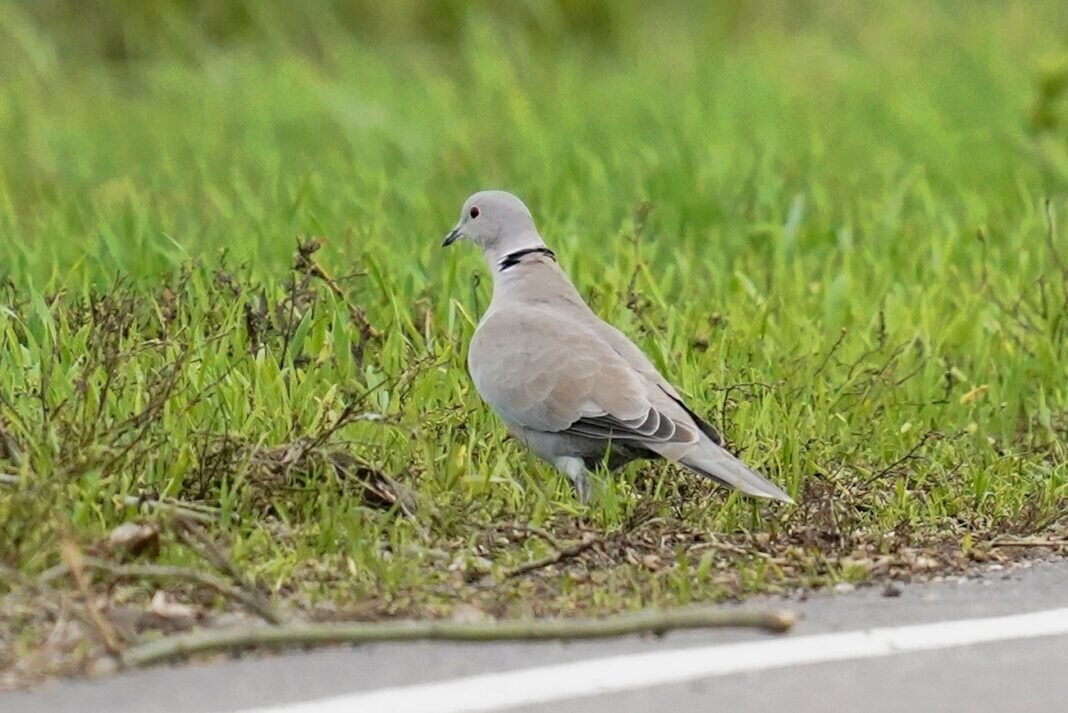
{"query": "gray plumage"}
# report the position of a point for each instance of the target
(573, 388)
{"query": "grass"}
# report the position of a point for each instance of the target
(835, 227)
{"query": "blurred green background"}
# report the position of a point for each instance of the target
(138, 135)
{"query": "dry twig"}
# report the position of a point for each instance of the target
(206, 514)
(301, 635)
(161, 572)
(1029, 542)
(305, 261)
(560, 555)
(194, 537)
(75, 562)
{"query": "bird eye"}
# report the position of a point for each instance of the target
(474, 211)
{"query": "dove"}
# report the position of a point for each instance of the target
(571, 387)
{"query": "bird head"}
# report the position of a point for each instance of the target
(497, 222)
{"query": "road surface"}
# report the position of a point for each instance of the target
(998, 642)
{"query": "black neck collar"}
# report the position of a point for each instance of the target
(512, 259)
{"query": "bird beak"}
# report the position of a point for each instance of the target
(452, 237)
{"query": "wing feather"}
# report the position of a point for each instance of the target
(540, 372)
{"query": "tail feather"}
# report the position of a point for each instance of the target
(714, 462)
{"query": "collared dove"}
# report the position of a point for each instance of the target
(571, 387)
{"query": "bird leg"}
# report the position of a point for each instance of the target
(575, 470)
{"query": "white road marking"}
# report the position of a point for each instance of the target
(628, 672)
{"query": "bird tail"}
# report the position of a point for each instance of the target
(716, 463)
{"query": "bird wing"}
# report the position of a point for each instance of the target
(641, 363)
(545, 372)
(541, 372)
(579, 311)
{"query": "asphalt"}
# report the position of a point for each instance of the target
(1025, 675)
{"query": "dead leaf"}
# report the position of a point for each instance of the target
(131, 539)
(974, 394)
(166, 612)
